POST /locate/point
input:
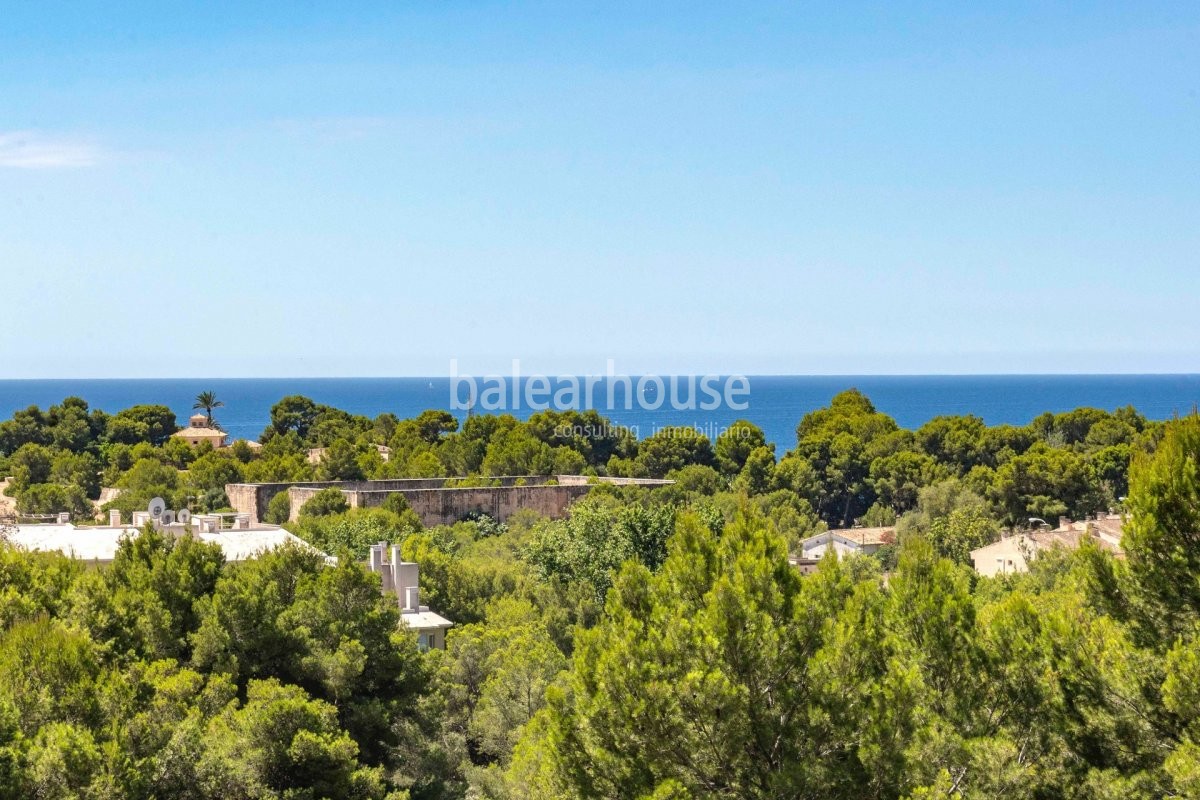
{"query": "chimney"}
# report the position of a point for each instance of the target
(242, 522)
(64, 517)
(114, 518)
(140, 518)
(407, 581)
(376, 557)
(386, 566)
(394, 563)
(1064, 523)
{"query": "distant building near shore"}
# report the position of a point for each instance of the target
(1014, 552)
(317, 454)
(847, 541)
(199, 431)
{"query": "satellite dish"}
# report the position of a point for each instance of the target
(184, 516)
(167, 518)
(157, 507)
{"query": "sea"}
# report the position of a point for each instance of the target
(775, 403)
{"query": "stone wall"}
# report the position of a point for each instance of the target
(447, 506)
(252, 498)
(434, 501)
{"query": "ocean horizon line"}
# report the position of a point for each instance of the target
(851, 375)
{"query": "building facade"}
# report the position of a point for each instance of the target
(403, 579)
(1014, 552)
(199, 431)
(847, 541)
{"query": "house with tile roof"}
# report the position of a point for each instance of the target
(199, 431)
(1014, 552)
(847, 541)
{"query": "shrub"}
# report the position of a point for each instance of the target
(325, 502)
(279, 510)
(50, 498)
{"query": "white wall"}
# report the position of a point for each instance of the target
(817, 548)
(1003, 557)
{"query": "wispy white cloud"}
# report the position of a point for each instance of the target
(32, 150)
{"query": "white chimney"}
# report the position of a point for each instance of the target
(64, 517)
(114, 518)
(407, 581)
(242, 522)
(140, 518)
(394, 583)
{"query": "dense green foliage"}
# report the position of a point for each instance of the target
(171, 674)
(655, 643)
(850, 463)
(726, 674)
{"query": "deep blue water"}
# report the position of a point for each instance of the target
(776, 403)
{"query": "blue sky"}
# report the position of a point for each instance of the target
(375, 189)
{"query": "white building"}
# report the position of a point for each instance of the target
(805, 566)
(847, 541)
(237, 538)
(402, 578)
(1012, 553)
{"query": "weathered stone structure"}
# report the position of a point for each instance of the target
(437, 501)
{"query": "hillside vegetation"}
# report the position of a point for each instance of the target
(654, 644)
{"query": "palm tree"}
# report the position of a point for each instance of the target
(208, 401)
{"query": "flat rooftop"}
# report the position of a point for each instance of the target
(100, 543)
